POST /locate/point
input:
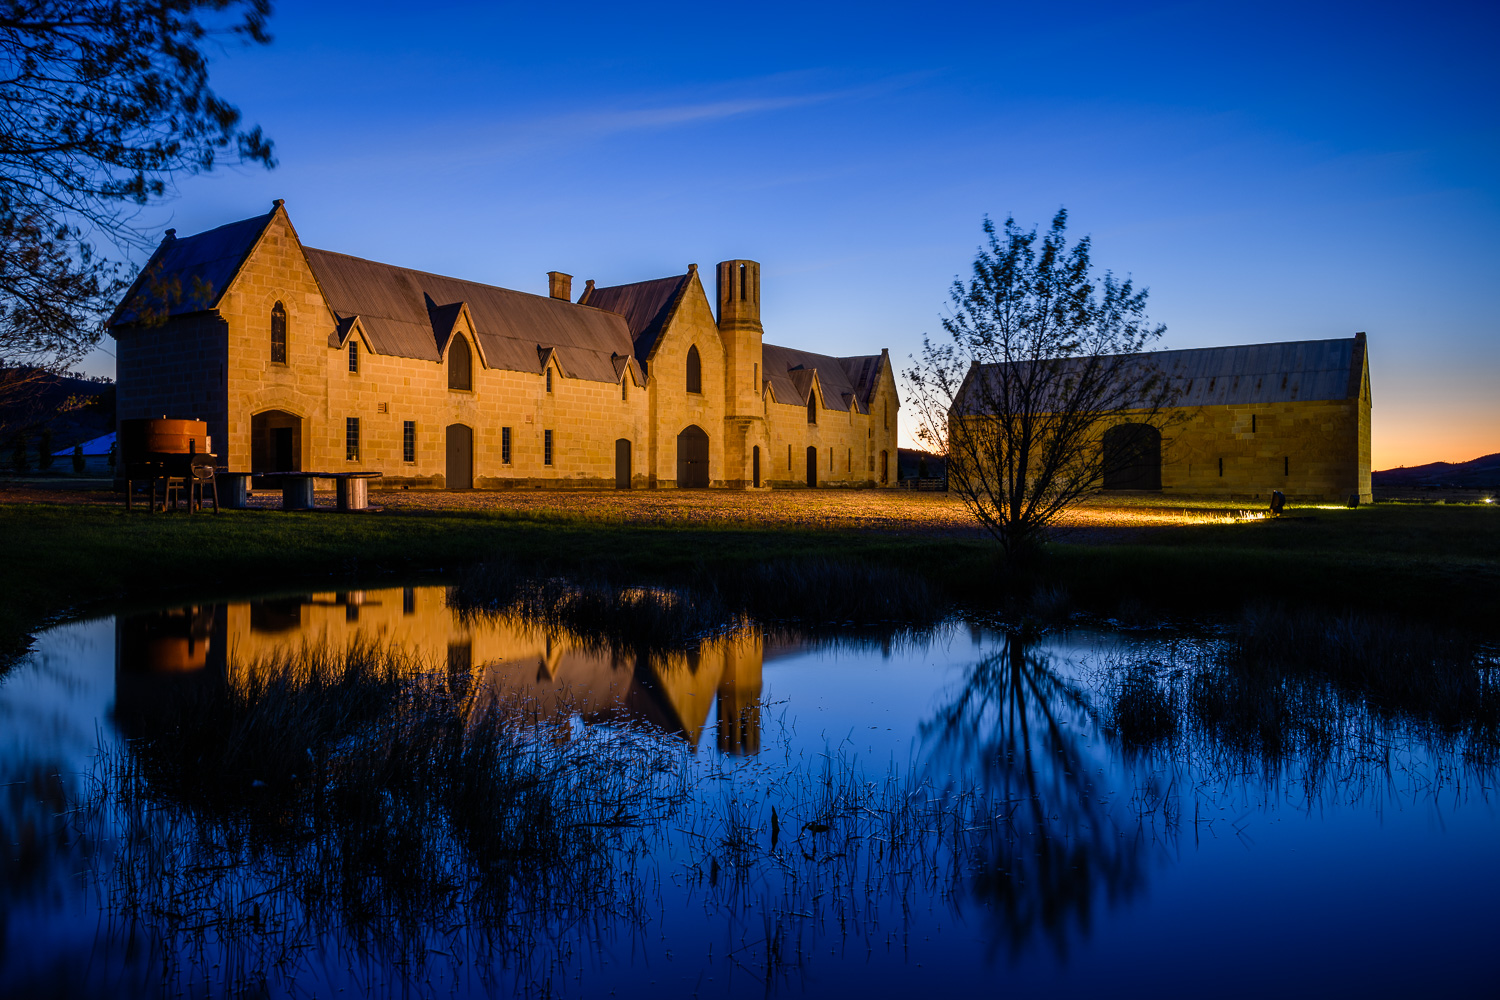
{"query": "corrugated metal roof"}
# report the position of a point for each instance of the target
(646, 306)
(1258, 373)
(190, 273)
(406, 313)
(842, 379)
(1248, 374)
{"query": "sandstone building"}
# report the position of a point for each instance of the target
(1244, 421)
(304, 359)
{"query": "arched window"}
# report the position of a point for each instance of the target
(278, 334)
(694, 370)
(812, 406)
(460, 365)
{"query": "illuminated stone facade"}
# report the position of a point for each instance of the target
(302, 359)
(1291, 416)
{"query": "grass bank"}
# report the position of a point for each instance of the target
(1430, 562)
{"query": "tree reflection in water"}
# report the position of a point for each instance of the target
(1025, 734)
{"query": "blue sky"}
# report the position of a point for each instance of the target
(1271, 171)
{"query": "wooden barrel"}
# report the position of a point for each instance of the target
(160, 436)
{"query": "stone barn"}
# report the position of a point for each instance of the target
(310, 360)
(1244, 421)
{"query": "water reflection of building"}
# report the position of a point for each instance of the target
(162, 654)
(560, 675)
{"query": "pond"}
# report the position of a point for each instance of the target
(400, 790)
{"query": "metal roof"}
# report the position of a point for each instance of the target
(1249, 374)
(646, 306)
(1259, 373)
(410, 313)
(845, 381)
(189, 274)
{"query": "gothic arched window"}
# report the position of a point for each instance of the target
(460, 365)
(694, 371)
(812, 406)
(278, 334)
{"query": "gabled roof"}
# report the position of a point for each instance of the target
(1249, 374)
(844, 382)
(190, 274)
(1264, 373)
(409, 313)
(646, 306)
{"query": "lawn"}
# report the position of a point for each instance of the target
(60, 559)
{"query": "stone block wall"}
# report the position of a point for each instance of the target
(176, 369)
(218, 366)
(1307, 450)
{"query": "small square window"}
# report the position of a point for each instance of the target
(505, 445)
(351, 439)
(546, 447)
(408, 441)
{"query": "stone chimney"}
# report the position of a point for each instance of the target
(559, 285)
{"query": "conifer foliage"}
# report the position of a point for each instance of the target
(102, 104)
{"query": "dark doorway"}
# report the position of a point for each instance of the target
(812, 466)
(285, 459)
(622, 464)
(1132, 457)
(692, 458)
(275, 443)
(460, 457)
(755, 467)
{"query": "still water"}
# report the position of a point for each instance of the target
(1072, 859)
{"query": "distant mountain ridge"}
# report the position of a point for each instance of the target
(1479, 473)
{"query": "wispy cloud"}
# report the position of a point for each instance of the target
(500, 140)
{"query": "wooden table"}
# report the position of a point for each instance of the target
(353, 488)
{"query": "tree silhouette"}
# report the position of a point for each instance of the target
(102, 104)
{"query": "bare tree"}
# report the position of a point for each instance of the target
(1041, 359)
(102, 104)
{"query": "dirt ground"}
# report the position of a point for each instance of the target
(1114, 517)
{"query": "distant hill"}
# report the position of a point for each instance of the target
(72, 409)
(1481, 473)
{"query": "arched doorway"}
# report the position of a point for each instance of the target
(755, 467)
(692, 458)
(885, 468)
(812, 466)
(622, 464)
(275, 442)
(1132, 457)
(460, 471)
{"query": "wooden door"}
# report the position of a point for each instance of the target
(812, 466)
(460, 457)
(1132, 457)
(692, 458)
(755, 467)
(622, 464)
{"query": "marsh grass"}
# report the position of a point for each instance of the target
(356, 791)
(363, 805)
(1293, 682)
